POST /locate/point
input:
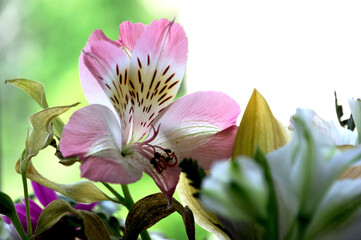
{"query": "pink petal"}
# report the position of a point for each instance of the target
(156, 71)
(92, 130)
(103, 68)
(93, 134)
(130, 33)
(166, 181)
(199, 126)
(43, 194)
(92, 89)
(215, 108)
(96, 36)
(218, 146)
(103, 170)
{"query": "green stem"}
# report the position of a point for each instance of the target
(127, 196)
(27, 207)
(115, 193)
(129, 203)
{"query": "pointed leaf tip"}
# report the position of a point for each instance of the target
(258, 128)
(34, 89)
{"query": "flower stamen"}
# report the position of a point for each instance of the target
(160, 158)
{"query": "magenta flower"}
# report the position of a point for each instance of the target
(132, 125)
(45, 196)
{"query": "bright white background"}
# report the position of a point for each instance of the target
(296, 53)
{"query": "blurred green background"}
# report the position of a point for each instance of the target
(42, 40)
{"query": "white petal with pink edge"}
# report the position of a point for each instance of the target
(109, 66)
(156, 71)
(199, 126)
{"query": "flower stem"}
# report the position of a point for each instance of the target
(128, 197)
(115, 193)
(27, 207)
(129, 203)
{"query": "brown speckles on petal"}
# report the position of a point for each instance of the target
(131, 84)
(169, 78)
(120, 79)
(125, 76)
(139, 77)
(165, 100)
(151, 82)
(165, 94)
(166, 70)
(161, 91)
(173, 84)
(139, 63)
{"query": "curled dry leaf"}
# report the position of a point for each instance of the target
(83, 191)
(34, 89)
(37, 92)
(41, 133)
(203, 217)
(94, 227)
(151, 209)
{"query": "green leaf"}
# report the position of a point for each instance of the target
(6, 205)
(8, 209)
(34, 89)
(151, 209)
(94, 227)
(83, 191)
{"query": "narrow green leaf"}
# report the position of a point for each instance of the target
(150, 210)
(6, 204)
(8, 209)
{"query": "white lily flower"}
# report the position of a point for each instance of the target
(311, 201)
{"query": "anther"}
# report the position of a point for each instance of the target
(157, 155)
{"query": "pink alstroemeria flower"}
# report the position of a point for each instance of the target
(132, 125)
